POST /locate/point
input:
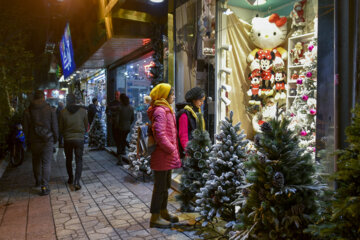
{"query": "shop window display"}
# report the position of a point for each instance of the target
(280, 42)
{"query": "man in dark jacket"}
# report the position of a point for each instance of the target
(73, 125)
(125, 117)
(111, 112)
(41, 131)
(92, 110)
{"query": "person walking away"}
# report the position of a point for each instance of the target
(41, 131)
(125, 119)
(73, 125)
(186, 116)
(111, 112)
(166, 154)
(58, 111)
(92, 110)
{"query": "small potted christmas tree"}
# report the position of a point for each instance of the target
(281, 196)
(195, 166)
(97, 137)
(226, 174)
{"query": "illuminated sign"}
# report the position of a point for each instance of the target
(67, 53)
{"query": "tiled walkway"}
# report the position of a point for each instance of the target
(111, 205)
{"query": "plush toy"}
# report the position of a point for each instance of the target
(297, 53)
(268, 112)
(298, 19)
(255, 91)
(266, 58)
(267, 34)
(295, 76)
(280, 85)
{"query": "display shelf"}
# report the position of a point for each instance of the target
(296, 66)
(292, 82)
(208, 43)
(303, 36)
(290, 67)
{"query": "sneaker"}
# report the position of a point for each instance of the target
(44, 191)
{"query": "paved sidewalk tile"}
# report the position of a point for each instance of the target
(112, 204)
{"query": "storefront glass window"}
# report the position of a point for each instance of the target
(134, 79)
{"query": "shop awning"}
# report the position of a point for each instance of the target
(112, 50)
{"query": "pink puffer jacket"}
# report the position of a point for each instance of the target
(166, 155)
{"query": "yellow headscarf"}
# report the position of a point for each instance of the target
(187, 107)
(159, 94)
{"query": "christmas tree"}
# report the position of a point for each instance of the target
(138, 163)
(195, 166)
(157, 69)
(303, 110)
(226, 173)
(281, 196)
(97, 137)
(344, 219)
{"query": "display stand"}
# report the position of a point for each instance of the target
(291, 68)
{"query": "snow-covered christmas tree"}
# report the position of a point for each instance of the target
(138, 163)
(97, 137)
(303, 110)
(226, 174)
(195, 166)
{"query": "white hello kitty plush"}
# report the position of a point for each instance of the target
(268, 34)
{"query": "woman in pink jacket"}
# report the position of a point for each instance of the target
(166, 155)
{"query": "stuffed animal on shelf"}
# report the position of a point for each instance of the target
(255, 91)
(298, 19)
(294, 76)
(280, 85)
(297, 53)
(266, 58)
(268, 34)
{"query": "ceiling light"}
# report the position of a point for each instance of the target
(256, 2)
(156, 1)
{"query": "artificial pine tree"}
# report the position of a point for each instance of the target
(303, 109)
(226, 174)
(157, 70)
(281, 196)
(137, 162)
(343, 222)
(195, 166)
(97, 137)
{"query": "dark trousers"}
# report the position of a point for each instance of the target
(77, 147)
(162, 182)
(42, 155)
(116, 136)
(122, 141)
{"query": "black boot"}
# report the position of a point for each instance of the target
(77, 185)
(120, 161)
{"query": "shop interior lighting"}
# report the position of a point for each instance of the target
(227, 47)
(226, 100)
(226, 11)
(156, 1)
(226, 87)
(226, 70)
(256, 2)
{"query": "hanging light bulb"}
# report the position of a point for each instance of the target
(156, 1)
